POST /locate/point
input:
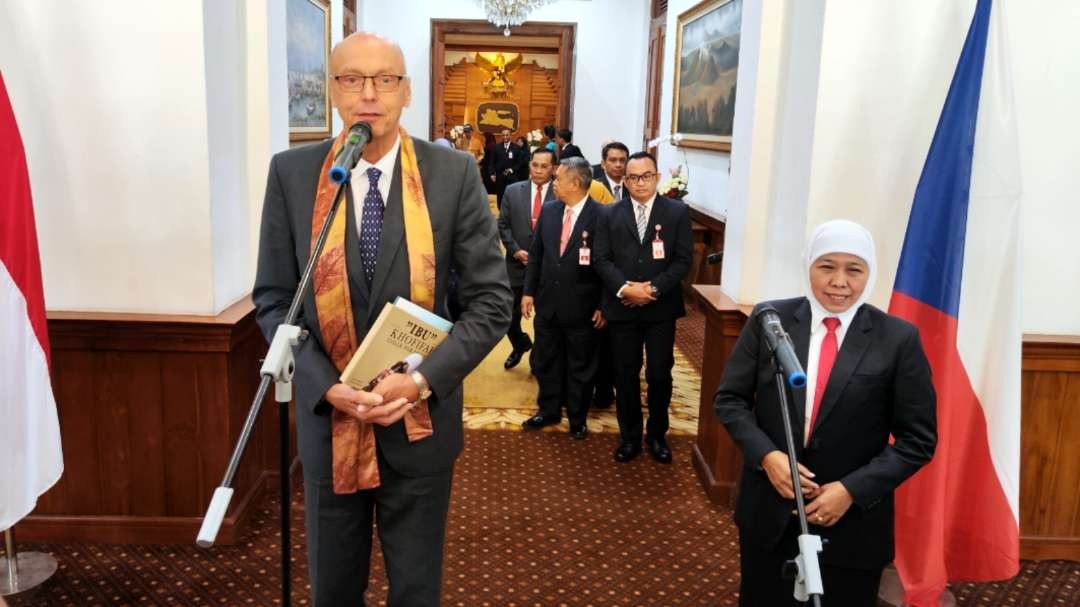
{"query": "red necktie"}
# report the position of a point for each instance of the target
(825, 364)
(536, 206)
(565, 238)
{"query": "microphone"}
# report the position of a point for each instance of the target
(780, 344)
(714, 258)
(358, 137)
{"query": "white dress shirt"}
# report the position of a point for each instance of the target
(818, 331)
(615, 184)
(359, 180)
(532, 194)
(635, 205)
(575, 212)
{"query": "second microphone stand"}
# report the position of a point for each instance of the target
(278, 367)
(808, 585)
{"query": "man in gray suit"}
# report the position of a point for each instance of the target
(517, 219)
(410, 500)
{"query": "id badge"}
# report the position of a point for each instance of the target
(657, 245)
(584, 256)
(511, 155)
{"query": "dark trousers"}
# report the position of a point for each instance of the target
(564, 362)
(763, 586)
(519, 339)
(410, 514)
(627, 340)
(603, 386)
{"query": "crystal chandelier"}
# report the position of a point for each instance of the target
(508, 13)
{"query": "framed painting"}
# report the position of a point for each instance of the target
(706, 70)
(308, 57)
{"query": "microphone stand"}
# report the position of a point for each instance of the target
(278, 366)
(808, 585)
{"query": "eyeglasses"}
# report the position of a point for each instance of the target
(383, 83)
(642, 178)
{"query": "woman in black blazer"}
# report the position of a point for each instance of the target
(868, 380)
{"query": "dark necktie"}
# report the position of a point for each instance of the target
(371, 224)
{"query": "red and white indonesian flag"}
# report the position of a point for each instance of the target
(30, 456)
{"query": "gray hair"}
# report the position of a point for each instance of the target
(580, 169)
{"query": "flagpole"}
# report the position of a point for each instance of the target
(21, 572)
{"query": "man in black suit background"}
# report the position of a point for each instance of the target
(566, 291)
(373, 239)
(518, 215)
(643, 252)
(867, 379)
(506, 161)
(567, 149)
(613, 169)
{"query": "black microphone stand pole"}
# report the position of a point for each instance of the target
(808, 584)
(278, 367)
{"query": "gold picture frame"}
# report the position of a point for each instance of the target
(707, 40)
(308, 59)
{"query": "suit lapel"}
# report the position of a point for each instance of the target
(856, 341)
(523, 211)
(630, 219)
(799, 331)
(392, 236)
(352, 255)
(554, 227)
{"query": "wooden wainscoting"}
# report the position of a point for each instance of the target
(150, 407)
(1050, 448)
(1049, 440)
(708, 234)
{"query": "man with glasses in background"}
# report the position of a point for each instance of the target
(643, 252)
(385, 456)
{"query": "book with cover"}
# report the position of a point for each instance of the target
(402, 328)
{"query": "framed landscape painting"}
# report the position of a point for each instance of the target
(706, 69)
(308, 55)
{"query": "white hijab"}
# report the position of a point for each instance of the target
(840, 236)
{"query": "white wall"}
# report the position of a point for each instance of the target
(148, 134)
(1046, 81)
(834, 119)
(226, 127)
(710, 184)
(111, 104)
(609, 68)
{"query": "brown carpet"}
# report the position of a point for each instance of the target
(536, 519)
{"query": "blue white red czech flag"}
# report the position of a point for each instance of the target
(959, 281)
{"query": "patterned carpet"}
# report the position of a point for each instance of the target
(536, 519)
(500, 399)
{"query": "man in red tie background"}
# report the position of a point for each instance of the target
(517, 220)
(867, 379)
(560, 280)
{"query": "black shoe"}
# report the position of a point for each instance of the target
(627, 452)
(539, 421)
(515, 356)
(579, 432)
(659, 450)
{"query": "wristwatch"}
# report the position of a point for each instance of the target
(421, 384)
(655, 291)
